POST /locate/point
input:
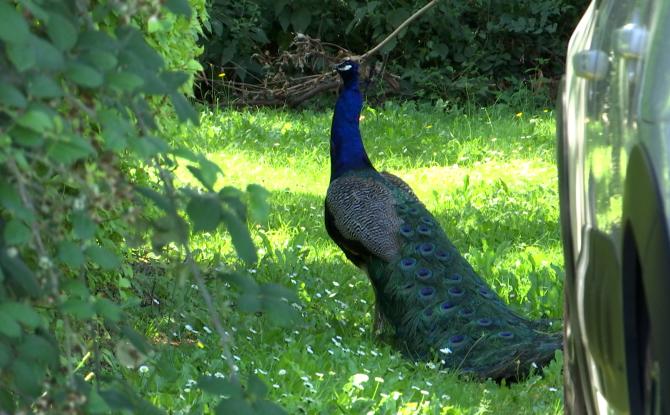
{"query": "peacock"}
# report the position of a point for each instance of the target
(428, 298)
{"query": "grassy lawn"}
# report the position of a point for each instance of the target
(490, 178)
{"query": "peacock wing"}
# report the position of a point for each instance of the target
(363, 212)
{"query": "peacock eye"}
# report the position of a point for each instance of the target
(484, 322)
(346, 67)
(454, 278)
(424, 273)
(456, 292)
(427, 292)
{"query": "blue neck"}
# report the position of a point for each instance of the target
(346, 146)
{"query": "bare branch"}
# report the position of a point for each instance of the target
(395, 32)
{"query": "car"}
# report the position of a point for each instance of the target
(613, 148)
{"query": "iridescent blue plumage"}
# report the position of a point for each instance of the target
(428, 298)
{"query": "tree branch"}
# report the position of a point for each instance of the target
(395, 32)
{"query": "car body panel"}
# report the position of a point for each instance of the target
(614, 105)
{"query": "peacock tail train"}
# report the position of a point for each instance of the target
(427, 295)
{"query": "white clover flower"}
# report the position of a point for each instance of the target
(309, 349)
(425, 393)
(219, 375)
(251, 329)
(281, 372)
(143, 369)
(274, 385)
(552, 389)
(236, 358)
(534, 365)
(446, 350)
(45, 262)
(395, 395)
(379, 380)
(207, 329)
(358, 379)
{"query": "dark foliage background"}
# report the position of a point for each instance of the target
(481, 50)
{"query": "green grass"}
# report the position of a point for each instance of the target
(490, 178)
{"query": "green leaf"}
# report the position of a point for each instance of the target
(67, 152)
(76, 288)
(14, 29)
(23, 313)
(108, 310)
(83, 226)
(61, 31)
(266, 407)
(256, 387)
(81, 309)
(5, 356)
(95, 404)
(184, 109)
(124, 81)
(37, 348)
(36, 119)
(83, 75)
(101, 59)
(148, 146)
(16, 232)
(21, 55)
(44, 86)
(240, 235)
(9, 326)
(26, 137)
(233, 406)
(102, 256)
(233, 197)
(136, 339)
(47, 56)
(9, 197)
(11, 96)
(160, 200)
(258, 204)
(205, 213)
(180, 7)
(27, 377)
(20, 274)
(301, 18)
(70, 254)
(117, 400)
(207, 173)
(242, 281)
(219, 386)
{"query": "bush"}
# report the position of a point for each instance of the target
(84, 180)
(458, 50)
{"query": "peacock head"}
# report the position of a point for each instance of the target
(348, 70)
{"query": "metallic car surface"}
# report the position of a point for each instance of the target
(614, 179)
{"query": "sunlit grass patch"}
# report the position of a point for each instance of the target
(489, 177)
